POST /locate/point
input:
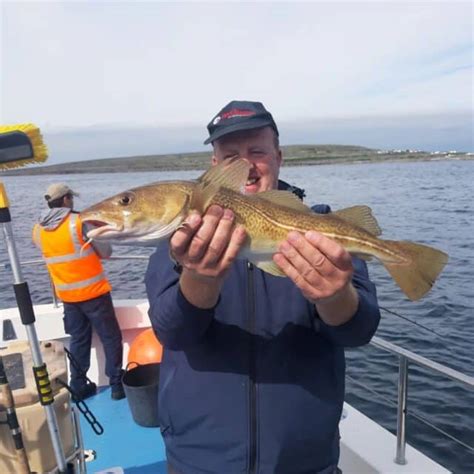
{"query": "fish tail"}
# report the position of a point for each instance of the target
(421, 266)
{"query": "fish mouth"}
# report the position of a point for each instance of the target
(101, 228)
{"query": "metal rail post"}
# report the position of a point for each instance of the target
(402, 410)
(53, 292)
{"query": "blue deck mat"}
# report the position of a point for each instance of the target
(137, 450)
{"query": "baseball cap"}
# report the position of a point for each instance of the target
(239, 115)
(58, 190)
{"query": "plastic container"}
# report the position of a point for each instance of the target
(141, 387)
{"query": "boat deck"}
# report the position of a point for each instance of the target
(126, 447)
(124, 444)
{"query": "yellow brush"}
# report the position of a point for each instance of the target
(20, 145)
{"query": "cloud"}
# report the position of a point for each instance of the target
(163, 64)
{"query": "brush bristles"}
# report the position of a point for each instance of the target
(17, 164)
(40, 151)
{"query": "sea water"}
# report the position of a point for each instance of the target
(428, 202)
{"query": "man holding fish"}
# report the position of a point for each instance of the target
(252, 376)
(252, 379)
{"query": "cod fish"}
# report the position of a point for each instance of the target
(151, 213)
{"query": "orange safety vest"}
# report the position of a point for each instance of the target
(76, 276)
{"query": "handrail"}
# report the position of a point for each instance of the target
(404, 357)
(423, 361)
(38, 261)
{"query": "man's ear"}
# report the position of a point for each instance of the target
(214, 160)
(280, 156)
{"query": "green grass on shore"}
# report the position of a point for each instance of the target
(294, 155)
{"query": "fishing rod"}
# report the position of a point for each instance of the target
(21, 145)
(426, 328)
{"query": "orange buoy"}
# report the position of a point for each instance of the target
(145, 349)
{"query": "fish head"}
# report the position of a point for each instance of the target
(143, 215)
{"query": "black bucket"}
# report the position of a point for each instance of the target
(141, 387)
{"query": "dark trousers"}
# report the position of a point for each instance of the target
(79, 319)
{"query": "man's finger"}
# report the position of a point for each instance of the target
(182, 237)
(237, 241)
(294, 274)
(202, 238)
(334, 252)
(305, 257)
(221, 238)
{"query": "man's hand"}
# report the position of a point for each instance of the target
(206, 247)
(322, 270)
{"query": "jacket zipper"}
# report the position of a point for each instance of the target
(252, 371)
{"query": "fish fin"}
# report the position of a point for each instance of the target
(360, 216)
(230, 174)
(202, 196)
(418, 273)
(284, 199)
(270, 267)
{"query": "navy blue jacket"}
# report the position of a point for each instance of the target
(255, 384)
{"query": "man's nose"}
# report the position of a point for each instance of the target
(249, 161)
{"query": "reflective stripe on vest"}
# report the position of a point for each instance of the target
(76, 276)
(71, 256)
(80, 284)
(73, 230)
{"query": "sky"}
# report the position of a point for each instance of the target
(148, 76)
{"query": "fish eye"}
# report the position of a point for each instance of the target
(125, 199)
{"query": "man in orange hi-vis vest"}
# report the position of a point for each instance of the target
(80, 283)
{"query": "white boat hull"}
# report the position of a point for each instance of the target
(132, 316)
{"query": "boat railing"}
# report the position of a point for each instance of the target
(40, 261)
(404, 358)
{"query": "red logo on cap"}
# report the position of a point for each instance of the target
(237, 113)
